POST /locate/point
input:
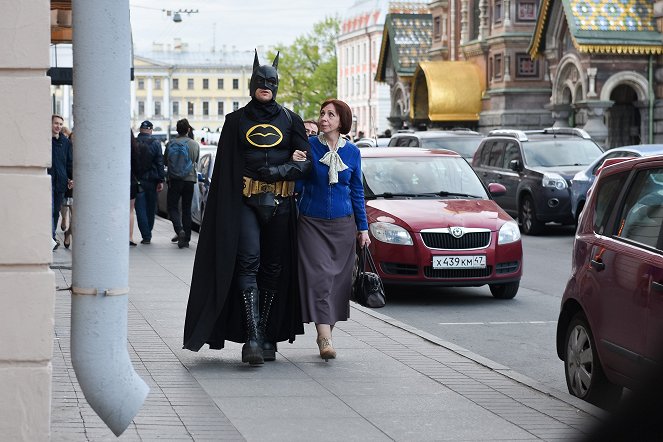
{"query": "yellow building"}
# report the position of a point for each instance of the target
(171, 83)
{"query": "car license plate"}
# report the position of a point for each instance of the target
(459, 262)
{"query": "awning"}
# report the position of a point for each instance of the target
(447, 91)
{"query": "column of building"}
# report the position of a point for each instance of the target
(27, 300)
(149, 101)
(658, 80)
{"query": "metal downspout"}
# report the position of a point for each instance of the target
(651, 99)
(101, 47)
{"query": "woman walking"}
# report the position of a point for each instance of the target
(332, 220)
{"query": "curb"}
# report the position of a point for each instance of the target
(499, 368)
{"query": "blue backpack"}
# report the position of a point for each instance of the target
(179, 163)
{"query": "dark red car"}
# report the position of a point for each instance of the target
(610, 328)
(432, 221)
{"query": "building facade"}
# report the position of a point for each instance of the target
(358, 49)
(171, 83)
(27, 284)
(605, 65)
(479, 73)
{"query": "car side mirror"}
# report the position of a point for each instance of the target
(201, 178)
(497, 189)
(515, 165)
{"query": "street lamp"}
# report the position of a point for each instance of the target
(177, 15)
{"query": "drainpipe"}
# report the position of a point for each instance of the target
(101, 46)
(651, 98)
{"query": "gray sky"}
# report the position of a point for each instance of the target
(244, 24)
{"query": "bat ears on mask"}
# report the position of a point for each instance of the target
(256, 62)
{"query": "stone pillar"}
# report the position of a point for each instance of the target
(591, 79)
(166, 100)
(149, 101)
(595, 125)
(66, 105)
(560, 113)
(507, 13)
(27, 284)
(483, 19)
(132, 101)
(507, 67)
(464, 23)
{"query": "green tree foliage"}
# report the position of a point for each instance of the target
(307, 68)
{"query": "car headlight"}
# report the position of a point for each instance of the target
(508, 233)
(391, 234)
(553, 180)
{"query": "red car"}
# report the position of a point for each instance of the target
(610, 328)
(432, 221)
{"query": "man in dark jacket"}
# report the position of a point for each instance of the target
(61, 170)
(151, 181)
(244, 287)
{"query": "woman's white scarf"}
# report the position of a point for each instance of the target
(333, 159)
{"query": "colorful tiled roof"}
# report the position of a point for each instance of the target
(604, 26)
(408, 37)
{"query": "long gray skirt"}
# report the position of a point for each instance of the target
(326, 261)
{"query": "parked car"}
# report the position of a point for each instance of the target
(433, 222)
(462, 141)
(583, 180)
(610, 327)
(536, 168)
(204, 169)
(372, 142)
(201, 189)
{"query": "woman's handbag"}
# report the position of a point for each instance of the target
(367, 289)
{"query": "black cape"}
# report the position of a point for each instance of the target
(215, 311)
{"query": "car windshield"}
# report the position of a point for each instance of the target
(464, 146)
(561, 152)
(423, 177)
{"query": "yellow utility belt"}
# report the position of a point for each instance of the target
(279, 188)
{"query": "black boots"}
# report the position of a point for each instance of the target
(268, 347)
(252, 350)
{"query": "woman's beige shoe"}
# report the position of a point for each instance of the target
(326, 349)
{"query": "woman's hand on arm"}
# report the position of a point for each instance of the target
(299, 155)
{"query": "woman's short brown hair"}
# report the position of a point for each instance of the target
(344, 113)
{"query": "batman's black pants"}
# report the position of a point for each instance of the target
(260, 251)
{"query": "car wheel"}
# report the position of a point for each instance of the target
(527, 217)
(584, 374)
(504, 291)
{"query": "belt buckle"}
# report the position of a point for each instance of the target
(266, 187)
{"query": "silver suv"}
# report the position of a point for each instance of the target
(462, 141)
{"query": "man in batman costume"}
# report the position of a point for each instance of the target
(244, 286)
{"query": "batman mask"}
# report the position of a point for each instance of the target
(264, 76)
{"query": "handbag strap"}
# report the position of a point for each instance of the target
(366, 254)
(361, 262)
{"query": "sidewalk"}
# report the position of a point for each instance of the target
(390, 381)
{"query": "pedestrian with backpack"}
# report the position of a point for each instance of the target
(181, 157)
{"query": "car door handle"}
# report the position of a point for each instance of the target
(499, 175)
(485, 174)
(656, 286)
(598, 265)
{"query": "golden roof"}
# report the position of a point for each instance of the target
(447, 91)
